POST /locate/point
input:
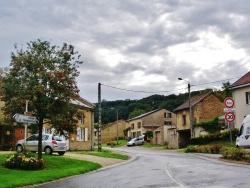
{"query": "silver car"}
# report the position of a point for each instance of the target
(136, 141)
(50, 144)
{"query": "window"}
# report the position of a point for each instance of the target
(46, 131)
(82, 134)
(248, 131)
(167, 115)
(184, 121)
(82, 119)
(168, 122)
(247, 97)
(132, 126)
(139, 125)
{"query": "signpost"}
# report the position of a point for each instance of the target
(229, 102)
(229, 115)
(20, 118)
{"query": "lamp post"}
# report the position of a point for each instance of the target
(190, 109)
(116, 124)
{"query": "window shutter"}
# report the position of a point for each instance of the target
(78, 133)
(247, 94)
(86, 134)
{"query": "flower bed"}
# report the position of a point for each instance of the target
(25, 161)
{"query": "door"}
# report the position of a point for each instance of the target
(32, 143)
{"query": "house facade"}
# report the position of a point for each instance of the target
(241, 96)
(113, 130)
(203, 108)
(83, 137)
(158, 121)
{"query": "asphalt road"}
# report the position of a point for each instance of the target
(161, 169)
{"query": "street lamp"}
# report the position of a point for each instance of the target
(190, 109)
(116, 124)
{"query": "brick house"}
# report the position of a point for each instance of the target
(241, 96)
(204, 108)
(158, 121)
(110, 131)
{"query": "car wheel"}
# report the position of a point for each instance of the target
(61, 152)
(48, 151)
(19, 148)
(133, 144)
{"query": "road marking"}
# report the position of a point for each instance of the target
(172, 177)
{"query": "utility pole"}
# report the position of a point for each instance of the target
(99, 117)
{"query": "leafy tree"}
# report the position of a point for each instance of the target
(136, 112)
(44, 75)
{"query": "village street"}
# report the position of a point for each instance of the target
(161, 168)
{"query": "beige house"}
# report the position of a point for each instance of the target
(241, 96)
(83, 138)
(204, 108)
(159, 121)
(113, 130)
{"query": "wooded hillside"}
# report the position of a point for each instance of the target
(131, 108)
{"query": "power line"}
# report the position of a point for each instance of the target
(138, 91)
(165, 91)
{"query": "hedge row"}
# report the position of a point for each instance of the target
(214, 137)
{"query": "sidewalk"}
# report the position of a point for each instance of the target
(104, 162)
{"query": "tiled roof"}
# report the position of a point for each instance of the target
(193, 101)
(145, 114)
(242, 81)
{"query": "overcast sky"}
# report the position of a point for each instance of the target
(137, 45)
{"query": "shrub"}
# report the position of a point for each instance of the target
(203, 149)
(190, 149)
(234, 153)
(214, 137)
(25, 161)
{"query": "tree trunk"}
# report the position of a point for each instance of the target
(40, 131)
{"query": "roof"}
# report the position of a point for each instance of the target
(145, 114)
(193, 101)
(82, 102)
(244, 80)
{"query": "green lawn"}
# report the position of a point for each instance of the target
(106, 153)
(56, 167)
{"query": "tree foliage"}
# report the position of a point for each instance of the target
(211, 126)
(45, 75)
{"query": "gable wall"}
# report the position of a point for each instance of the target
(242, 109)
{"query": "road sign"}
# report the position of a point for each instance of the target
(229, 102)
(229, 117)
(229, 109)
(20, 118)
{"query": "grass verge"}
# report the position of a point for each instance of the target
(54, 169)
(106, 154)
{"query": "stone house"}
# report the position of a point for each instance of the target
(159, 121)
(113, 130)
(203, 108)
(241, 95)
(83, 138)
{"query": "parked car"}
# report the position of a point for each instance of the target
(243, 138)
(50, 144)
(136, 141)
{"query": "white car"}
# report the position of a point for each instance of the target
(136, 141)
(50, 144)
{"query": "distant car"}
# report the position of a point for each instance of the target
(136, 141)
(50, 144)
